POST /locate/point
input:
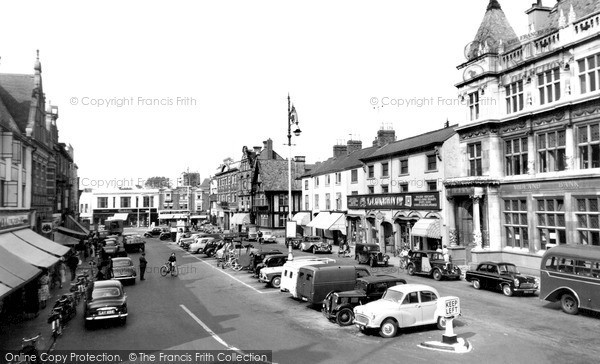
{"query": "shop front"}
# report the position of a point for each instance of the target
(389, 218)
(331, 226)
(238, 221)
(302, 219)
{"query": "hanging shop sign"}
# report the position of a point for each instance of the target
(413, 201)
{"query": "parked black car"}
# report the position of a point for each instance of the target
(339, 306)
(370, 254)
(501, 276)
(432, 264)
(295, 242)
(276, 260)
(259, 256)
(105, 300)
(153, 232)
(212, 246)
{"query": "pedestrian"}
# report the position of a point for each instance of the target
(44, 290)
(62, 272)
(439, 249)
(143, 263)
(72, 263)
(446, 254)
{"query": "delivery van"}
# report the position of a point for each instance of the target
(290, 271)
(315, 282)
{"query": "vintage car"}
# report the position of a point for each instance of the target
(123, 269)
(294, 241)
(501, 276)
(259, 255)
(198, 246)
(370, 254)
(153, 232)
(314, 244)
(276, 260)
(113, 248)
(105, 300)
(187, 241)
(134, 243)
(212, 246)
(165, 235)
(431, 263)
(405, 305)
(339, 306)
(268, 238)
(271, 276)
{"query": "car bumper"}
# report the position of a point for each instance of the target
(451, 275)
(362, 322)
(123, 278)
(106, 317)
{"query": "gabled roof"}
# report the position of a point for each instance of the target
(6, 119)
(493, 28)
(205, 183)
(274, 175)
(407, 145)
(16, 92)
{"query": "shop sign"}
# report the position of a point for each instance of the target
(460, 191)
(13, 220)
(570, 185)
(413, 201)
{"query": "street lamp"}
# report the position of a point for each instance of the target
(292, 120)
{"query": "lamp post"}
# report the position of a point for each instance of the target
(291, 120)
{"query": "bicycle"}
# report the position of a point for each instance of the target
(232, 261)
(169, 267)
(29, 349)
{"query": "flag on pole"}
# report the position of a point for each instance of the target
(293, 115)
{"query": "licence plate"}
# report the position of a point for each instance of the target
(106, 312)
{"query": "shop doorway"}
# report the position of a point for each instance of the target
(388, 236)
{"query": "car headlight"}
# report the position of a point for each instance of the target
(516, 282)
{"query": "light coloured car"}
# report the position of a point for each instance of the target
(405, 305)
(198, 246)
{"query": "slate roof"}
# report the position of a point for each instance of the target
(6, 119)
(342, 163)
(16, 92)
(582, 9)
(493, 28)
(274, 175)
(404, 146)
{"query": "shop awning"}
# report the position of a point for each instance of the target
(119, 216)
(14, 271)
(27, 252)
(429, 228)
(63, 239)
(240, 219)
(165, 216)
(329, 221)
(73, 233)
(4, 290)
(41, 242)
(302, 218)
(199, 217)
(74, 224)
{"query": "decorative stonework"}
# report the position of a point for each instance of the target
(530, 167)
(514, 127)
(453, 237)
(569, 162)
(550, 119)
(477, 239)
(588, 111)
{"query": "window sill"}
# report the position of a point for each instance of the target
(404, 174)
(432, 171)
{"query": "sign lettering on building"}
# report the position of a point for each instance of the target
(413, 201)
(13, 220)
(558, 186)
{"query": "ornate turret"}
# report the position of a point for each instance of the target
(493, 30)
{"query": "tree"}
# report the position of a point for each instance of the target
(158, 182)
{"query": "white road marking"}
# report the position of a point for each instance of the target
(224, 272)
(212, 333)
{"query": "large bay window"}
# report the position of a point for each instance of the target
(551, 151)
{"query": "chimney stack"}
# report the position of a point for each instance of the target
(257, 149)
(538, 16)
(353, 145)
(340, 151)
(268, 147)
(384, 136)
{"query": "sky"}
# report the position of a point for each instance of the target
(155, 88)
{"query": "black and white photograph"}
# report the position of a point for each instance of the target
(300, 181)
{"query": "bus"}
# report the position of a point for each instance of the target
(571, 274)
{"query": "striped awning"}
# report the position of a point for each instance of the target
(429, 228)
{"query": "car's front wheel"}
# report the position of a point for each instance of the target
(276, 282)
(345, 317)
(507, 290)
(476, 284)
(437, 275)
(411, 270)
(569, 304)
(389, 328)
(314, 250)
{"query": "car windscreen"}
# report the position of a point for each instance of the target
(122, 263)
(361, 285)
(391, 295)
(106, 293)
(507, 268)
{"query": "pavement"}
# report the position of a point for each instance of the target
(12, 333)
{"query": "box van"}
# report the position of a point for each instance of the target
(290, 271)
(315, 282)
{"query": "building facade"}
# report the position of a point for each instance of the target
(530, 141)
(139, 207)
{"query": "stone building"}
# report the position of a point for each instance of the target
(530, 141)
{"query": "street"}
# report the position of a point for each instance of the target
(207, 308)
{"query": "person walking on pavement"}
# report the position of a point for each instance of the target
(72, 263)
(143, 263)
